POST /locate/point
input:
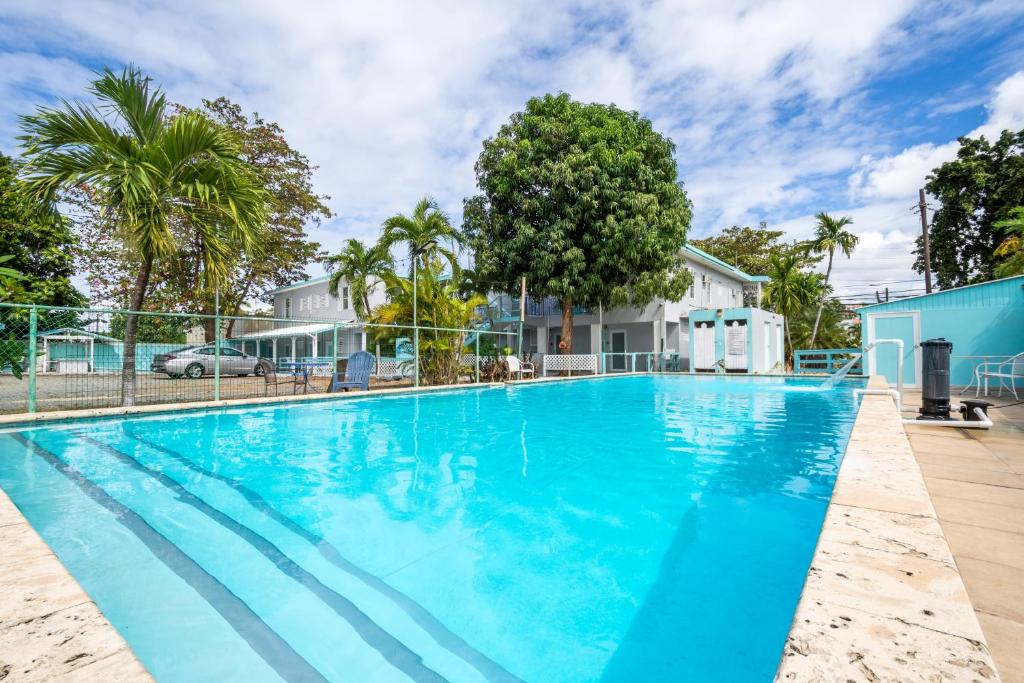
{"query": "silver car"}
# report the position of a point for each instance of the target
(196, 362)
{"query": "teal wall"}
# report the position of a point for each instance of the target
(711, 315)
(980, 320)
(107, 356)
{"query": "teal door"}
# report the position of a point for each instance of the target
(895, 326)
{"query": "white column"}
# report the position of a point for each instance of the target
(362, 346)
(293, 349)
(315, 340)
(542, 339)
(273, 350)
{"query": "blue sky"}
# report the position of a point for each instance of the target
(778, 108)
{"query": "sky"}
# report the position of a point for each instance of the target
(778, 108)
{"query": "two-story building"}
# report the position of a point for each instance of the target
(666, 326)
(321, 321)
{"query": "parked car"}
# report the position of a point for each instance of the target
(198, 361)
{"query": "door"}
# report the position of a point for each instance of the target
(231, 361)
(905, 326)
(704, 346)
(618, 342)
(767, 341)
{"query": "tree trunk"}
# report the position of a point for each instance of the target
(789, 341)
(566, 326)
(130, 328)
(821, 302)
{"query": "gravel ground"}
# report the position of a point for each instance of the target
(101, 390)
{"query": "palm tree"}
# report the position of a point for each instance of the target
(830, 234)
(151, 171)
(790, 288)
(356, 265)
(427, 233)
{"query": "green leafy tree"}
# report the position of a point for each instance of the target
(744, 247)
(362, 268)
(790, 289)
(148, 170)
(426, 233)
(1011, 249)
(582, 200)
(38, 244)
(977, 190)
(829, 234)
(836, 330)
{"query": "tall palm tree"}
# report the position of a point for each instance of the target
(830, 234)
(357, 265)
(790, 288)
(151, 171)
(426, 233)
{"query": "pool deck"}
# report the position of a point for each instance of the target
(50, 630)
(884, 600)
(976, 481)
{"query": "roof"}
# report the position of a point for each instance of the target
(293, 331)
(303, 283)
(722, 265)
(75, 332)
(924, 299)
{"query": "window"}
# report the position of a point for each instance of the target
(693, 282)
(230, 352)
(287, 308)
(321, 301)
(345, 303)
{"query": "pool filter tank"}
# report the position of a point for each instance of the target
(935, 355)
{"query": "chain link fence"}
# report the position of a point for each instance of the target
(54, 358)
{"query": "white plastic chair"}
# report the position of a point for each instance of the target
(1011, 369)
(516, 366)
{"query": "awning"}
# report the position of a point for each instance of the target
(295, 331)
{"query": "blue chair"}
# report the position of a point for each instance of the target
(357, 373)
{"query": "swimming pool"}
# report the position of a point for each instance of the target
(629, 528)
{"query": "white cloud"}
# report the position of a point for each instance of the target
(392, 100)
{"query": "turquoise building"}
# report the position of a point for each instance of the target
(984, 322)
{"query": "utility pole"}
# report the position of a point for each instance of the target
(924, 242)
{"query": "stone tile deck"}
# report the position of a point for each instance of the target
(49, 628)
(884, 600)
(976, 482)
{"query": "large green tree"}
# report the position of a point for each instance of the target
(744, 247)
(582, 200)
(292, 206)
(37, 242)
(150, 171)
(976, 190)
(1011, 250)
(830, 234)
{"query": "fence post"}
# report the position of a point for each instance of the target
(33, 329)
(476, 356)
(216, 344)
(334, 351)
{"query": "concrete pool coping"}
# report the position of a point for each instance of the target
(883, 599)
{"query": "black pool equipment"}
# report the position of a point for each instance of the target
(967, 409)
(935, 355)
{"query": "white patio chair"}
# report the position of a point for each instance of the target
(517, 366)
(1011, 369)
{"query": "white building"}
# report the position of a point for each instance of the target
(320, 320)
(661, 326)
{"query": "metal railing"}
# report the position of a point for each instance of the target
(60, 358)
(825, 361)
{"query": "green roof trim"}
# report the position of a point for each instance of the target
(700, 253)
(303, 283)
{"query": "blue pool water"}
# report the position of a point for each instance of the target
(627, 529)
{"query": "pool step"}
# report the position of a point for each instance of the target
(317, 619)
